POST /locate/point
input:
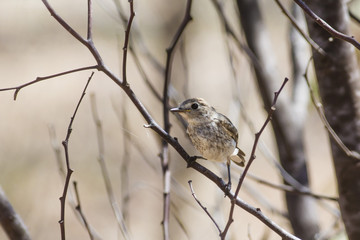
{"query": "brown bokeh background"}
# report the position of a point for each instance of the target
(33, 44)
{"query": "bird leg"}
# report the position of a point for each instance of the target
(228, 185)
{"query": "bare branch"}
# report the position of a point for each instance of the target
(320, 110)
(70, 198)
(267, 221)
(10, 221)
(67, 160)
(302, 33)
(78, 208)
(126, 42)
(334, 33)
(287, 188)
(39, 79)
(89, 23)
(204, 208)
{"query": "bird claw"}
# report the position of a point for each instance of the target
(227, 187)
(192, 159)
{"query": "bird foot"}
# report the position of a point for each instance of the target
(192, 159)
(227, 187)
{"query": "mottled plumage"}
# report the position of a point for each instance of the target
(211, 133)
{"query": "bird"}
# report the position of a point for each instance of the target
(211, 133)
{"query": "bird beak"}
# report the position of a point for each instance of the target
(177, 110)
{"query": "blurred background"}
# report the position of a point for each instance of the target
(33, 44)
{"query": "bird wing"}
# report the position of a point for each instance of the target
(228, 126)
(238, 156)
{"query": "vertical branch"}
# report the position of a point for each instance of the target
(69, 171)
(165, 146)
(126, 42)
(74, 206)
(89, 22)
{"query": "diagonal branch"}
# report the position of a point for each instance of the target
(320, 110)
(200, 204)
(10, 221)
(334, 33)
(81, 213)
(302, 33)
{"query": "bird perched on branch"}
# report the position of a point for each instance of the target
(211, 133)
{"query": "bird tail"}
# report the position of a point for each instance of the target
(238, 157)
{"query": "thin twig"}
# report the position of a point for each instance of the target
(334, 33)
(39, 79)
(252, 158)
(70, 199)
(69, 171)
(229, 30)
(204, 208)
(104, 170)
(89, 22)
(320, 110)
(302, 33)
(78, 208)
(126, 42)
(354, 17)
(288, 188)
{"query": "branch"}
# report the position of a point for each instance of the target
(78, 208)
(126, 42)
(267, 221)
(334, 33)
(320, 110)
(10, 221)
(39, 79)
(252, 158)
(204, 208)
(302, 33)
(104, 170)
(69, 170)
(165, 100)
(89, 23)
(70, 199)
(288, 188)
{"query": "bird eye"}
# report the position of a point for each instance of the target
(194, 106)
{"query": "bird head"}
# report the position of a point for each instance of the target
(194, 109)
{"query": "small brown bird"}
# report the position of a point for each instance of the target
(211, 133)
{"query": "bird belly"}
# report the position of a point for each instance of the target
(212, 143)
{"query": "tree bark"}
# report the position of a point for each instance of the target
(338, 78)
